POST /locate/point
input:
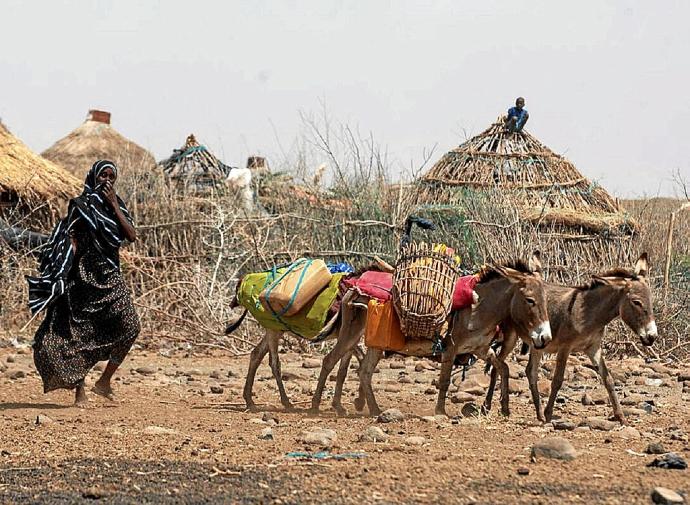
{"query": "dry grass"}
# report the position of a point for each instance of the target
(34, 186)
(191, 250)
(93, 141)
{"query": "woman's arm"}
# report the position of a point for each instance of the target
(111, 198)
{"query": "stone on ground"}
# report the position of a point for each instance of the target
(311, 363)
(266, 434)
(323, 437)
(470, 410)
(665, 496)
(554, 448)
(599, 423)
(415, 440)
(373, 434)
(655, 448)
(391, 416)
(159, 430)
(563, 425)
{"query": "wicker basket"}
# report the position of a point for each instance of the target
(423, 284)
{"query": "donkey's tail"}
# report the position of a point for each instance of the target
(232, 326)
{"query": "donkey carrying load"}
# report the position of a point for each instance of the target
(509, 294)
(578, 316)
(329, 315)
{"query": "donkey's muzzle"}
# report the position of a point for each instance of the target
(541, 335)
(648, 334)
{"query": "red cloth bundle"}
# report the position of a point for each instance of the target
(462, 296)
(373, 284)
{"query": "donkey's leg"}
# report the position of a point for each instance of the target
(342, 347)
(371, 359)
(444, 379)
(597, 360)
(533, 378)
(509, 341)
(492, 386)
(339, 383)
(274, 360)
(348, 337)
(361, 400)
(255, 359)
(557, 381)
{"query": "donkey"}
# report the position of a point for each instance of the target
(348, 325)
(509, 293)
(578, 316)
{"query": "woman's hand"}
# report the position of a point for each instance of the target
(110, 195)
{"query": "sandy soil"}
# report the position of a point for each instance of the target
(170, 439)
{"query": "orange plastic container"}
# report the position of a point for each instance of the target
(383, 327)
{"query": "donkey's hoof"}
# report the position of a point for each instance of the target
(251, 407)
(339, 410)
(359, 404)
(620, 419)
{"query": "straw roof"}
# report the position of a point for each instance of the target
(28, 181)
(544, 185)
(194, 163)
(96, 139)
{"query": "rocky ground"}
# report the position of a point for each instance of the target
(179, 434)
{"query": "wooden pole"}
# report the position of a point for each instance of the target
(669, 247)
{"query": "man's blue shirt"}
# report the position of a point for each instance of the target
(520, 114)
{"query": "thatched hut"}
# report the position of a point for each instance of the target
(33, 190)
(543, 199)
(194, 166)
(96, 139)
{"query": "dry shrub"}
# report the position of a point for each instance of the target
(193, 248)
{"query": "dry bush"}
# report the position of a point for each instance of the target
(192, 248)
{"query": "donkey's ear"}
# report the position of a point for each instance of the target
(535, 263)
(514, 276)
(642, 265)
(615, 282)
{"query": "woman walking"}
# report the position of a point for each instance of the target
(90, 316)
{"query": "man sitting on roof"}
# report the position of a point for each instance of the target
(517, 116)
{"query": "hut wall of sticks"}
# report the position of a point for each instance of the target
(33, 190)
(507, 193)
(96, 139)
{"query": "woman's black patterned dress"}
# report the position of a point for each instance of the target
(95, 320)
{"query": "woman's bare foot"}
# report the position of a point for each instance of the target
(80, 399)
(104, 390)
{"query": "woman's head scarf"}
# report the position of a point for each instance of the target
(98, 218)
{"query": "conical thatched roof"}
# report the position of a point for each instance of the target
(544, 185)
(193, 163)
(29, 183)
(95, 139)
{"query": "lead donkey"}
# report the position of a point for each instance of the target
(578, 316)
(506, 293)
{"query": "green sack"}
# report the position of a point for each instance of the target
(307, 323)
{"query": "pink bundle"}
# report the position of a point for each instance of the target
(373, 284)
(464, 288)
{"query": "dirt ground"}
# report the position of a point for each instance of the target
(170, 439)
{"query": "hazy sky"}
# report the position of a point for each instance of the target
(607, 83)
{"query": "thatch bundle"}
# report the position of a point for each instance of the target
(194, 165)
(31, 188)
(544, 185)
(94, 140)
